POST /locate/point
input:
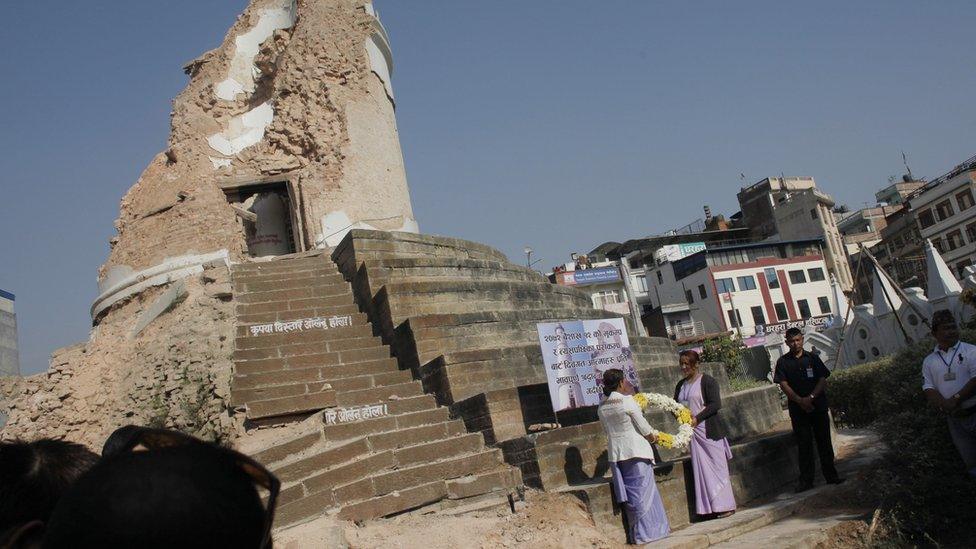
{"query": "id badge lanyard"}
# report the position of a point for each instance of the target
(949, 376)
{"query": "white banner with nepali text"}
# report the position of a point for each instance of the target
(577, 352)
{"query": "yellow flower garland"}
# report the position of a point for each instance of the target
(681, 413)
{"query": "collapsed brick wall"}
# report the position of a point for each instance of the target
(175, 373)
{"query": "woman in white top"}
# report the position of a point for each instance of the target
(631, 457)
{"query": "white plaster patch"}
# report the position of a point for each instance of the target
(243, 131)
(219, 162)
(336, 225)
(380, 61)
(242, 72)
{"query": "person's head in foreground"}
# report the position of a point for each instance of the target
(794, 340)
(614, 380)
(160, 488)
(944, 328)
(33, 476)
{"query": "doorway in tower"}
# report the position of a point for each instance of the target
(268, 215)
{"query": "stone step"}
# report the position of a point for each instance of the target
(379, 394)
(313, 279)
(303, 356)
(240, 397)
(357, 350)
(323, 270)
(355, 318)
(291, 405)
(349, 472)
(408, 436)
(388, 431)
(403, 481)
(339, 377)
(350, 309)
(389, 504)
(245, 340)
(405, 413)
(326, 365)
(296, 304)
(293, 294)
(282, 265)
(407, 445)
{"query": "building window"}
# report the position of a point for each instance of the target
(660, 279)
(938, 244)
(944, 210)
(813, 213)
(797, 277)
(816, 274)
(964, 200)
(954, 240)
(724, 285)
(824, 305)
(642, 284)
(747, 283)
(971, 232)
(804, 309)
(688, 297)
(758, 318)
(701, 291)
(771, 278)
(735, 320)
(635, 263)
(601, 299)
(925, 218)
(781, 313)
(898, 242)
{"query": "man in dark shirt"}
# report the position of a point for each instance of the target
(803, 378)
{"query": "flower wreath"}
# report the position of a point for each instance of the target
(681, 413)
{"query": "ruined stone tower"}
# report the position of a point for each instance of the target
(283, 140)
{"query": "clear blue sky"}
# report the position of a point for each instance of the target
(559, 125)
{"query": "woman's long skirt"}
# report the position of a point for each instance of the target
(710, 461)
(636, 491)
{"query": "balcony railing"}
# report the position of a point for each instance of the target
(686, 329)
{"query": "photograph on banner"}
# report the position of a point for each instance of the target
(576, 353)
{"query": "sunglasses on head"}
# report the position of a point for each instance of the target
(150, 439)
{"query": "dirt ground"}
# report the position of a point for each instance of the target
(547, 521)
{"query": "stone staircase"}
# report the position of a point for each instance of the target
(463, 319)
(372, 443)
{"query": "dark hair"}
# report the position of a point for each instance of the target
(612, 379)
(691, 354)
(34, 475)
(120, 439)
(180, 496)
(793, 332)
(942, 317)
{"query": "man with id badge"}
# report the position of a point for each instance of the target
(949, 383)
(803, 378)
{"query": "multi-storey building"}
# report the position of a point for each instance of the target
(945, 215)
(9, 355)
(793, 208)
(753, 289)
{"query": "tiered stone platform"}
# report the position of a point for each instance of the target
(409, 455)
(438, 336)
(462, 319)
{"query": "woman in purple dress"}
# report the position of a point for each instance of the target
(710, 453)
(631, 458)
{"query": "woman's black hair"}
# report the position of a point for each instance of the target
(691, 354)
(612, 379)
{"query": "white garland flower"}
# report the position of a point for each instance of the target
(682, 439)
